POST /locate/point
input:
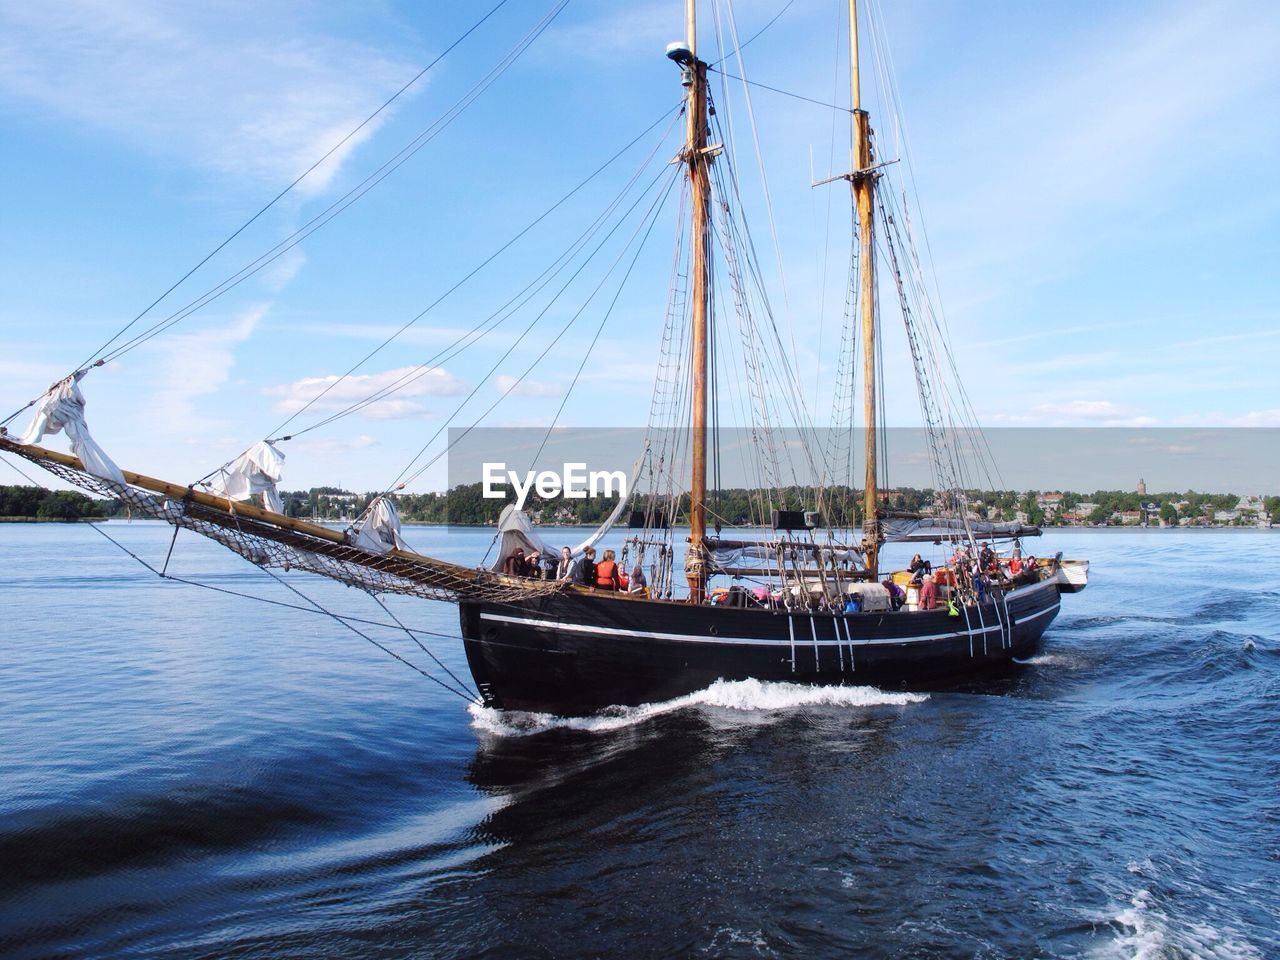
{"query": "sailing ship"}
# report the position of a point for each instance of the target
(799, 594)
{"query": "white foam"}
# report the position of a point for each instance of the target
(1044, 660)
(1149, 934)
(737, 695)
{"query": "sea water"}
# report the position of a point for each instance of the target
(185, 771)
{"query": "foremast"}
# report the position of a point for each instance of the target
(697, 158)
(862, 180)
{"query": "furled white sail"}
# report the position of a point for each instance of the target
(252, 476)
(378, 528)
(63, 409)
(903, 527)
(516, 531)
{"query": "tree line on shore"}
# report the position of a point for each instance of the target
(37, 503)
(841, 505)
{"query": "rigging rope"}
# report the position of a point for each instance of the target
(487, 326)
(755, 36)
(348, 199)
(315, 607)
(302, 176)
(785, 93)
(643, 233)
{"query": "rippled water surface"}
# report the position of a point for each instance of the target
(184, 772)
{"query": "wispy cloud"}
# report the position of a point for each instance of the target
(188, 81)
(624, 30)
(527, 388)
(334, 445)
(428, 335)
(1253, 418)
(1075, 413)
(342, 392)
(197, 364)
(1106, 123)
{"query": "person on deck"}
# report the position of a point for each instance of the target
(1031, 570)
(514, 565)
(928, 594)
(896, 594)
(638, 582)
(584, 571)
(565, 567)
(533, 565)
(986, 558)
(607, 573)
(919, 569)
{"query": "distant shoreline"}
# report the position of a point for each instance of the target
(1048, 531)
(54, 519)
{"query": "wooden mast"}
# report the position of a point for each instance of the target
(863, 181)
(697, 158)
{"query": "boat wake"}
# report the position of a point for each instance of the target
(737, 695)
(1144, 932)
(1045, 660)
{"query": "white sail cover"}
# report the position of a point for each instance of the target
(516, 530)
(63, 409)
(729, 554)
(378, 528)
(252, 476)
(919, 528)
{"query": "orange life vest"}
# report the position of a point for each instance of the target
(606, 574)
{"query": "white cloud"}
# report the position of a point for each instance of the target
(1069, 413)
(1256, 418)
(430, 335)
(340, 392)
(25, 381)
(623, 30)
(1083, 409)
(1147, 81)
(197, 364)
(334, 445)
(186, 80)
(279, 274)
(527, 388)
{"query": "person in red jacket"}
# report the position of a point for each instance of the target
(607, 572)
(928, 594)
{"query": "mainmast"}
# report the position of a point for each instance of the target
(697, 157)
(863, 181)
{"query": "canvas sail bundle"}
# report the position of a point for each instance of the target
(252, 476)
(62, 409)
(913, 527)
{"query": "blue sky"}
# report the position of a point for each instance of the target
(1097, 180)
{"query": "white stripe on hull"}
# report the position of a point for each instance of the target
(743, 641)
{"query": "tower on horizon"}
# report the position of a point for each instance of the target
(1142, 487)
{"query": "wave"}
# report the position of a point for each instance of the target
(1144, 932)
(1047, 660)
(191, 821)
(739, 695)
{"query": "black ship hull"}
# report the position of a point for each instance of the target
(575, 653)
